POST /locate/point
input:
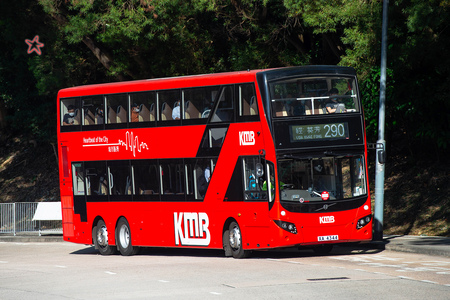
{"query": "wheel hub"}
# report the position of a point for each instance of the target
(235, 238)
(124, 236)
(102, 236)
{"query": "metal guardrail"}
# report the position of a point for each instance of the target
(16, 218)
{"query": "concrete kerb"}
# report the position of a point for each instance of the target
(25, 238)
(429, 245)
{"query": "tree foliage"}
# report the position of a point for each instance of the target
(88, 41)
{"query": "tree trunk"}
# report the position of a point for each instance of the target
(101, 55)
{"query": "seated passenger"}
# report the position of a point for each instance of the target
(176, 111)
(334, 106)
(135, 113)
(298, 109)
(68, 118)
(99, 116)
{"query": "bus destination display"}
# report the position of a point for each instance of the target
(328, 131)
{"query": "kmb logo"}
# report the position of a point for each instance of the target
(191, 229)
(246, 138)
(326, 219)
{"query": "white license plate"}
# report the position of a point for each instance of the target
(324, 238)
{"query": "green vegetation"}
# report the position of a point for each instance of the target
(89, 41)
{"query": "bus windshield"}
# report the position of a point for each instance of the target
(305, 179)
(313, 96)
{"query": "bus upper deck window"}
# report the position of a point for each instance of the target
(146, 107)
(117, 108)
(168, 101)
(198, 102)
(93, 110)
(247, 100)
(70, 112)
(224, 109)
(313, 96)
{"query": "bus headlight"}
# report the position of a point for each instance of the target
(363, 221)
(290, 227)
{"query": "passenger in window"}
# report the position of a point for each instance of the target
(298, 107)
(272, 183)
(207, 174)
(203, 181)
(176, 111)
(334, 106)
(99, 116)
(70, 116)
(135, 113)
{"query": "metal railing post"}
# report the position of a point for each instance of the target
(14, 218)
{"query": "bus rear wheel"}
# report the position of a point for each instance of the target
(235, 241)
(100, 236)
(123, 238)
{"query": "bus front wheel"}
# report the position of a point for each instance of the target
(123, 238)
(100, 236)
(235, 241)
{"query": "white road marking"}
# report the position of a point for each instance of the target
(215, 293)
(294, 262)
(110, 273)
(163, 281)
(429, 281)
(436, 263)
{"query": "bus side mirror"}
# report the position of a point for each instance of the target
(259, 170)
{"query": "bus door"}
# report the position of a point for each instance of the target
(251, 187)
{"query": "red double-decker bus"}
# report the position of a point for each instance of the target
(236, 161)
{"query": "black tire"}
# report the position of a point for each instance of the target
(123, 238)
(323, 249)
(235, 241)
(226, 243)
(100, 237)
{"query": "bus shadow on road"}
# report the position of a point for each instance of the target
(309, 252)
(350, 249)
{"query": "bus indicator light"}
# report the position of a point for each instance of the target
(325, 195)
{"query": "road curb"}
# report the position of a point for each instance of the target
(429, 245)
(31, 239)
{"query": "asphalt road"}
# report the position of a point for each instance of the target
(70, 271)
